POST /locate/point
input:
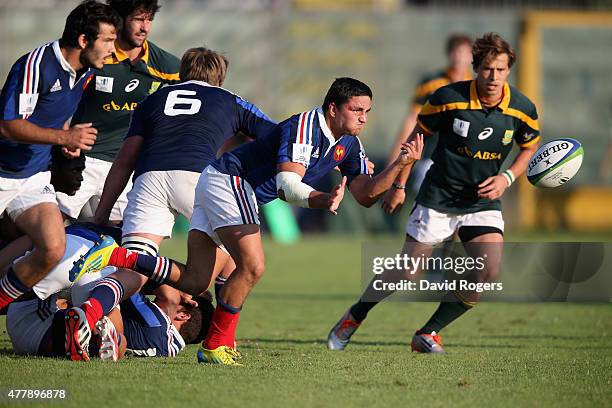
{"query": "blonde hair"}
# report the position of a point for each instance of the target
(202, 64)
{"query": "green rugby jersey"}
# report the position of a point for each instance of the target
(116, 90)
(428, 84)
(472, 145)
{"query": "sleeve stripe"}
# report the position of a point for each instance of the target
(532, 123)
(31, 74)
(300, 128)
(430, 109)
(430, 87)
(163, 75)
(529, 143)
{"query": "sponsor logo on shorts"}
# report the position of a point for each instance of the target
(47, 190)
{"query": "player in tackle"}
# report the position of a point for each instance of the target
(284, 164)
(477, 122)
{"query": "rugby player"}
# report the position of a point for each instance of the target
(174, 134)
(136, 68)
(299, 151)
(40, 94)
(459, 56)
(477, 122)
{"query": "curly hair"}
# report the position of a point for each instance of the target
(127, 7)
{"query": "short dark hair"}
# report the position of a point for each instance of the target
(489, 46)
(195, 329)
(127, 7)
(86, 19)
(343, 89)
(58, 158)
(456, 40)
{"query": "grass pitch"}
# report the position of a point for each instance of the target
(501, 354)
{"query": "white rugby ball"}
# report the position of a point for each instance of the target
(555, 163)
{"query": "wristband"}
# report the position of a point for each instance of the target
(398, 186)
(509, 176)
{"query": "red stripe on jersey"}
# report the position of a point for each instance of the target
(301, 131)
(242, 198)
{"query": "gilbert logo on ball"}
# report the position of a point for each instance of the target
(555, 163)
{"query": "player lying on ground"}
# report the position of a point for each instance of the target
(37, 323)
(300, 150)
(477, 122)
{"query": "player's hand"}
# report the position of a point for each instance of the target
(370, 165)
(493, 187)
(336, 196)
(411, 152)
(81, 136)
(187, 300)
(393, 200)
(71, 154)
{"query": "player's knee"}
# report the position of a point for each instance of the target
(254, 270)
(53, 252)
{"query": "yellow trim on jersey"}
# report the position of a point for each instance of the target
(430, 109)
(475, 101)
(430, 87)
(163, 75)
(532, 123)
(119, 55)
(529, 143)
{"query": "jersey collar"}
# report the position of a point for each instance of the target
(475, 102)
(119, 55)
(64, 64)
(324, 128)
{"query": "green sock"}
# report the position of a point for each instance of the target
(446, 313)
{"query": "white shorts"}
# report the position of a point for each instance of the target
(156, 199)
(58, 278)
(83, 204)
(19, 195)
(222, 200)
(432, 227)
(28, 321)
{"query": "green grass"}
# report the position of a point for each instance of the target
(502, 354)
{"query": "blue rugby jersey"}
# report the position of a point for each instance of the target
(184, 125)
(303, 138)
(43, 89)
(148, 330)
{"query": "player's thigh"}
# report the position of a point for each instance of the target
(205, 259)
(243, 242)
(429, 226)
(181, 194)
(482, 236)
(44, 225)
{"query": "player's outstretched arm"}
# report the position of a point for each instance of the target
(81, 136)
(368, 190)
(118, 176)
(394, 199)
(494, 187)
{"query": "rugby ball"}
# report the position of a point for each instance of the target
(555, 163)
